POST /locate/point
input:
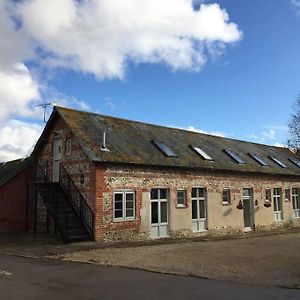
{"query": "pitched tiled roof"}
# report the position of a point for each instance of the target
(11, 169)
(132, 142)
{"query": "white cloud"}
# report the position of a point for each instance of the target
(296, 5)
(17, 86)
(216, 133)
(280, 145)
(17, 139)
(100, 37)
(17, 91)
(269, 134)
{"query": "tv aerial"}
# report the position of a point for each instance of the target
(44, 106)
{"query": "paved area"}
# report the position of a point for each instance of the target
(34, 279)
(270, 260)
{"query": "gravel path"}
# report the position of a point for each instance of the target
(271, 260)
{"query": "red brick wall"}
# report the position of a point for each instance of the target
(13, 204)
(77, 163)
(141, 179)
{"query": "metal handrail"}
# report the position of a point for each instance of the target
(79, 203)
(48, 193)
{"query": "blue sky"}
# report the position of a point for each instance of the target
(242, 86)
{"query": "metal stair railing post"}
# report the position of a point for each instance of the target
(77, 200)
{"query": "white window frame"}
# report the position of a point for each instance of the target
(124, 208)
(68, 146)
(228, 195)
(296, 202)
(277, 202)
(184, 200)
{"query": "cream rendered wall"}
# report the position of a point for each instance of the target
(219, 216)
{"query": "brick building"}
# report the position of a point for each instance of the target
(119, 180)
(13, 193)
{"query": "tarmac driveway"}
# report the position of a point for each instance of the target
(271, 260)
(34, 279)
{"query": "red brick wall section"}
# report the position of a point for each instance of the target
(77, 163)
(13, 204)
(141, 179)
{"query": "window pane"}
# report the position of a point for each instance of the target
(202, 209)
(202, 153)
(164, 148)
(259, 159)
(118, 213)
(287, 194)
(268, 194)
(201, 193)
(163, 194)
(181, 197)
(194, 209)
(129, 213)
(163, 212)
(226, 195)
(234, 156)
(129, 204)
(118, 205)
(154, 212)
(246, 192)
(276, 191)
(154, 194)
(194, 192)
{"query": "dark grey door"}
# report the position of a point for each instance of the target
(248, 209)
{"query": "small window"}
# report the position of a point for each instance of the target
(68, 146)
(295, 162)
(287, 195)
(259, 159)
(234, 156)
(226, 196)
(278, 162)
(268, 195)
(202, 153)
(164, 148)
(124, 205)
(181, 198)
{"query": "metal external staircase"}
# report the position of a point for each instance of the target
(72, 216)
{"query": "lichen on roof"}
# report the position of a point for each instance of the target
(131, 142)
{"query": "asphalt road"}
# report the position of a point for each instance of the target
(24, 278)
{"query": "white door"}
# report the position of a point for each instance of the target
(277, 204)
(57, 154)
(159, 213)
(296, 203)
(199, 220)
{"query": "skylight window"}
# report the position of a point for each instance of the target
(278, 162)
(164, 149)
(202, 153)
(295, 161)
(259, 159)
(234, 156)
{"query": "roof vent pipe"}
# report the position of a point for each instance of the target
(103, 146)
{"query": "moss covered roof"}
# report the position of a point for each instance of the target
(132, 142)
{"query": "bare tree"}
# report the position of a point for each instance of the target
(294, 127)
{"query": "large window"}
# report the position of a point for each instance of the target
(296, 203)
(124, 205)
